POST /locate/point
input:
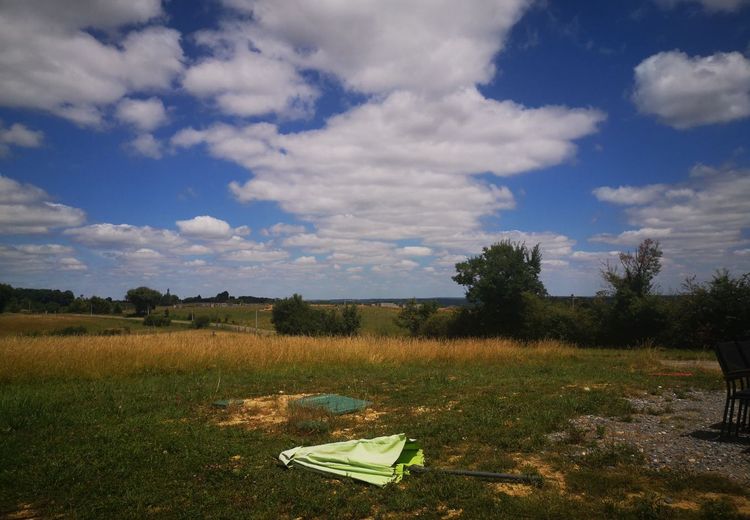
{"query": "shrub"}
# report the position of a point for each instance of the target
(78, 330)
(201, 322)
(296, 317)
(153, 320)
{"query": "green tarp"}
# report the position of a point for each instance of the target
(378, 461)
(333, 403)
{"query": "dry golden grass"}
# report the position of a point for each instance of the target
(100, 356)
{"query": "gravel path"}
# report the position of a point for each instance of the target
(676, 432)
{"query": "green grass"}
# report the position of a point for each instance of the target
(54, 324)
(376, 321)
(148, 443)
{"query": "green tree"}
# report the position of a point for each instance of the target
(144, 299)
(718, 310)
(295, 316)
(634, 314)
(100, 305)
(639, 270)
(351, 320)
(222, 297)
(413, 315)
(6, 293)
(497, 281)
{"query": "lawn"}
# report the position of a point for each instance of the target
(57, 324)
(123, 427)
(376, 321)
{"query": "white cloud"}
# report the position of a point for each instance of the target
(280, 228)
(18, 135)
(146, 145)
(125, 236)
(25, 209)
(414, 251)
(250, 84)
(686, 91)
(49, 62)
(305, 260)
(205, 227)
(700, 222)
(30, 258)
(629, 194)
(399, 168)
(432, 46)
(257, 254)
(144, 114)
(726, 6)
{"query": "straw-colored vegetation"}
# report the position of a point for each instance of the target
(100, 356)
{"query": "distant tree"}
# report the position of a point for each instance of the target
(169, 299)
(639, 270)
(634, 314)
(351, 320)
(718, 310)
(100, 305)
(413, 315)
(6, 294)
(497, 281)
(144, 299)
(222, 297)
(295, 316)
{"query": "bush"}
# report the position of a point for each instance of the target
(79, 330)
(296, 317)
(201, 322)
(438, 325)
(153, 320)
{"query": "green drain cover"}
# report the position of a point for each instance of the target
(335, 404)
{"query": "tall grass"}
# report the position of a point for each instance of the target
(26, 358)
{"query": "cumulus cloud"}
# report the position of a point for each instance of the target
(701, 221)
(30, 258)
(685, 92)
(726, 6)
(125, 235)
(418, 179)
(144, 114)
(146, 145)
(628, 195)
(280, 228)
(434, 46)
(18, 135)
(251, 84)
(65, 70)
(205, 227)
(25, 208)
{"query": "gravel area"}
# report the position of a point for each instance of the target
(674, 432)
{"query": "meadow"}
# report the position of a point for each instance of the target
(123, 427)
(377, 321)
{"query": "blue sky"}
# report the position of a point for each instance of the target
(360, 149)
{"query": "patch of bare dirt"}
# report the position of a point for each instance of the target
(264, 413)
(692, 364)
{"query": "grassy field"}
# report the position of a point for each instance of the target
(376, 321)
(55, 324)
(123, 427)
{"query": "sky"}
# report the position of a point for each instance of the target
(359, 149)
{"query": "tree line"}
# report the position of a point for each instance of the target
(507, 298)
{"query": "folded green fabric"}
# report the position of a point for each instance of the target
(378, 461)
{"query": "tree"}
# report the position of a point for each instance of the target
(222, 297)
(634, 314)
(296, 317)
(496, 282)
(639, 270)
(6, 293)
(144, 299)
(100, 305)
(718, 310)
(413, 315)
(351, 320)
